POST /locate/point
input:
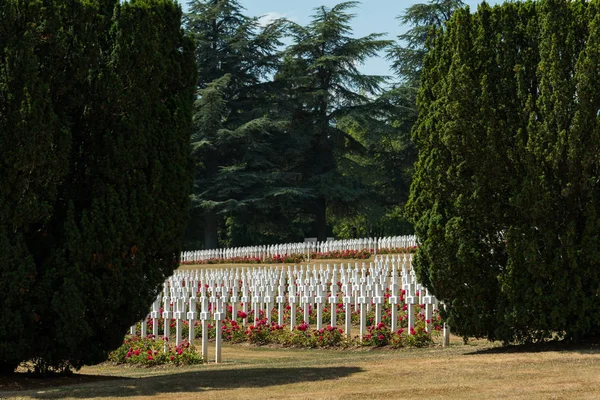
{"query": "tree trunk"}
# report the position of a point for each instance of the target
(210, 230)
(321, 219)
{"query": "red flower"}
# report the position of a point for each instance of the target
(381, 337)
(149, 358)
(303, 327)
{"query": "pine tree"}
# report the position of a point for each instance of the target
(322, 86)
(425, 19)
(243, 152)
(392, 154)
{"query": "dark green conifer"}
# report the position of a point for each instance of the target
(244, 152)
(96, 110)
(323, 85)
(504, 197)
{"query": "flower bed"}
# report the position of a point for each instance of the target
(303, 336)
(342, 255)
(150, 351)
(235, 332)
(261, 332)
(242, 329)
(299, 258)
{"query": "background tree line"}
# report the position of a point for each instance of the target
(291, 139)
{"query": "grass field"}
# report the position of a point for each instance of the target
(477, 370)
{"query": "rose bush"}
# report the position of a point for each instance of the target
(151, 351)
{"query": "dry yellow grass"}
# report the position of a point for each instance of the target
(473, 371)
(478, 370)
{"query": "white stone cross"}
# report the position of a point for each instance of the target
(192, 315)
(362, 300)
(333, 296)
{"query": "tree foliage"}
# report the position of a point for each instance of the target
(505, 194)
(242, 150)
(424, 19)
(273, 151)
(391, 152)
(323, 85)
(95, 117)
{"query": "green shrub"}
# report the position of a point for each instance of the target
(96, 102)
(505, 196)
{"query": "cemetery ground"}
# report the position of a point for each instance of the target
(473, 371)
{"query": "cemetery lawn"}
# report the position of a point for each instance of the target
(473, 371)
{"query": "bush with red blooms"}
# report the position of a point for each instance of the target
(295, 258)
(150, 351)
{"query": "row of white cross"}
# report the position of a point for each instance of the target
(310, 286)
(262, 252)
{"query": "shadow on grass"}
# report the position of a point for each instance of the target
(587, 347)
(24, 381)
(195, 381)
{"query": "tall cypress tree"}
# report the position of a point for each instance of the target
(504, 196)
(96, 101)
(29, 173)
(323, 85)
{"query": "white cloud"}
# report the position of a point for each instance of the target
(272, 16)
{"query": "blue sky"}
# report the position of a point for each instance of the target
(372, 16)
